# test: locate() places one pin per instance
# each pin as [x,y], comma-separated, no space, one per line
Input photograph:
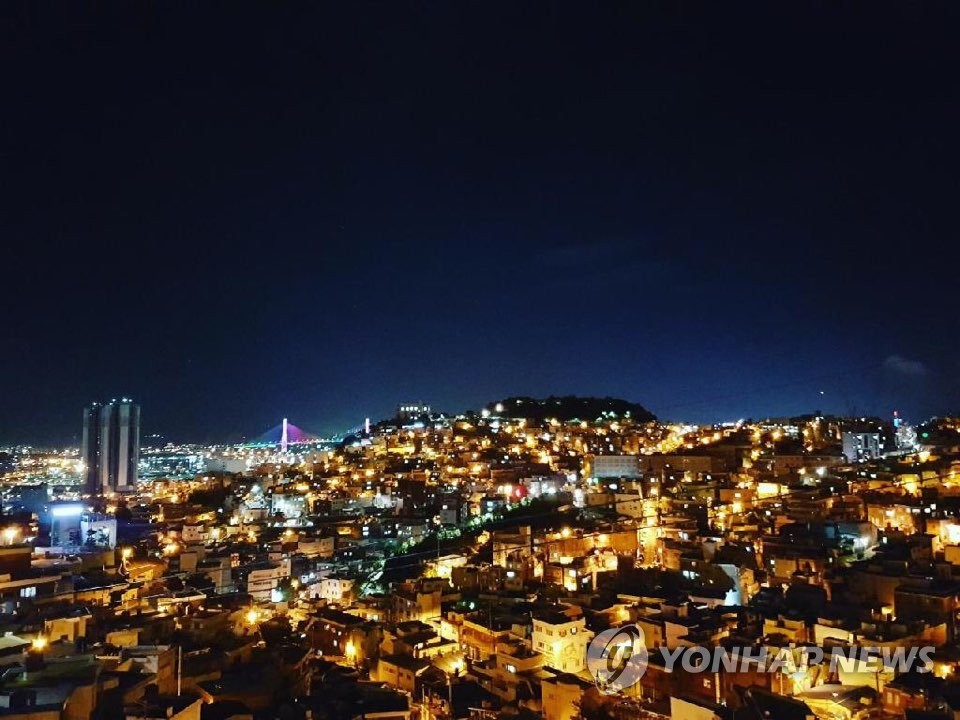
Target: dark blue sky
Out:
[239,212]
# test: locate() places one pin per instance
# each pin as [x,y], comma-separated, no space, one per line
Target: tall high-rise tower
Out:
[111,446]
[90,449]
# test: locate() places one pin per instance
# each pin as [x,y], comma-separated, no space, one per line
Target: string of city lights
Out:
[760,504]
[432,553]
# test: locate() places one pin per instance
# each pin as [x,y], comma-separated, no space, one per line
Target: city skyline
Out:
[267,436]
[676,412]
[479,361]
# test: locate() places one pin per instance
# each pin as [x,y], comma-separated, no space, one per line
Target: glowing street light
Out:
[39,643]
[10,534]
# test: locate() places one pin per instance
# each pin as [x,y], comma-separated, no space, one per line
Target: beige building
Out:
[562,640]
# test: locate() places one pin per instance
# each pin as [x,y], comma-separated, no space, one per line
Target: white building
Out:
[292,505]
[612,466]
[262,580]
[335,589]
[561,640]
[862,446]
[193,534]
[544,485]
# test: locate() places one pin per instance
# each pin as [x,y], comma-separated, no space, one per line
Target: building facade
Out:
[862,446]
[111,446]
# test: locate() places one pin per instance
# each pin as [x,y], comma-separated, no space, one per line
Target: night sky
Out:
[240,212]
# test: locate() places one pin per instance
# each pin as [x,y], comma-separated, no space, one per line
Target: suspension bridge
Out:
[285,434]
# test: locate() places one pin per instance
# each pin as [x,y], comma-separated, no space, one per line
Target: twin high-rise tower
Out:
[111,446]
